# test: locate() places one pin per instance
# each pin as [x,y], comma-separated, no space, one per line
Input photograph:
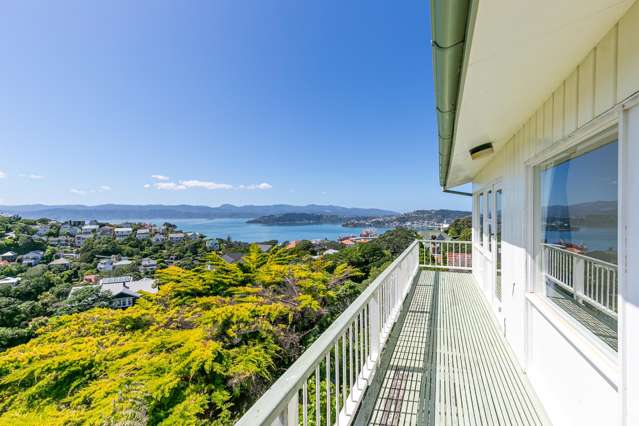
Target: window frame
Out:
[584,139]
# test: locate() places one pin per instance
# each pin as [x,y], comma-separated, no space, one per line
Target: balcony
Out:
[418,346]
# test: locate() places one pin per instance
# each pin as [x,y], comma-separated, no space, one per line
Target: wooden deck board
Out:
[446,363]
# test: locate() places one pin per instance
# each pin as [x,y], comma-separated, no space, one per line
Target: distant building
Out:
[9,256]
[61,264]
[10,280]
[91,278]
[122,233]
[105,265]
[330,251]
[124,290]
[32,258]
[89,229]
[212,244]
[233,257]
[80,239]
[158,238]
[148,265]
[122,263]
[142,234]
[106,231]
[265,247]
[176,237]
[58,241]
[293,244]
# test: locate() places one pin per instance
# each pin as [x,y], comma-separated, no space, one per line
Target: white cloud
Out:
[105,188]
[2,174]
[78,191]
[260,186]
[32,176]
[169,186]
[160,177]
[204,184]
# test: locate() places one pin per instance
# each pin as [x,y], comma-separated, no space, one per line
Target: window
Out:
[481,219]
[577,207]
[489,220]
[498,216]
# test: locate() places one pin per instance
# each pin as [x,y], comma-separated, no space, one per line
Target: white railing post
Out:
[289,416]
[578,277]
[374,327]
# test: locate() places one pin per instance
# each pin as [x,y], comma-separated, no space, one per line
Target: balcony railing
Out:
[328,381]
[589,280]
[451,255]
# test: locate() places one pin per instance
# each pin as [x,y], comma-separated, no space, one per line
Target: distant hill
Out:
[184,211]
[298,219]
[415,219]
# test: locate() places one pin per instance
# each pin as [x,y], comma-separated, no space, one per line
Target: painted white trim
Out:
[597,353]
[597,132]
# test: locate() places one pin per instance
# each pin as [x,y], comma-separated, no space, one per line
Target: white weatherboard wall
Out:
[573,388]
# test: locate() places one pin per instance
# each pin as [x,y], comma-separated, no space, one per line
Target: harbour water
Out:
[239,230]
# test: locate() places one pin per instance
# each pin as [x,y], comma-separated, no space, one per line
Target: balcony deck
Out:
[446,363]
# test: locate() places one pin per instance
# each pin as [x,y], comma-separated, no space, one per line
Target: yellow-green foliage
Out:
[199,351]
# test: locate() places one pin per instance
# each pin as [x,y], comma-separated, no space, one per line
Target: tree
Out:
[84,299]
[461,228]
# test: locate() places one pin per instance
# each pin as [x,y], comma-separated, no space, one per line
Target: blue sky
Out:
[226,101]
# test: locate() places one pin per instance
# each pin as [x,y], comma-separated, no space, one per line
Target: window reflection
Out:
[578,197]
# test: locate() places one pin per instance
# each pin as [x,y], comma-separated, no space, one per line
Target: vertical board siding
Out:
[606,72]
[570,103]
[627,57]
[607,75]
[586,89]
[558,114]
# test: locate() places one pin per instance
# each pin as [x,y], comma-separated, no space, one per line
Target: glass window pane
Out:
[481,219]
[578,198]
[498,215]
[489,220]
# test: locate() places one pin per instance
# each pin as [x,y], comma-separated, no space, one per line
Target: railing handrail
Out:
[583,256]
[459,247]
[267,408]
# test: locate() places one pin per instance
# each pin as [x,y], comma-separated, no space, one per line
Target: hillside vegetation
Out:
[200,351]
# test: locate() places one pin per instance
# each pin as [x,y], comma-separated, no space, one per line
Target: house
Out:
[9,256]
[123,263]
[10,280]
[348,242]
[537,106]
[123,233]
[293,244]
[89,229]
[142,234]
[157,239]
[105,231]
[58,241]
[74,223]
[538,111]
[124,290]
[32,258]
[60,264]
[233,257]
[42,230]
[10,234]
[105,265]
[148,265]
[176,237]
[68,229]
[212,244]
[80,239]
[328,252]
[91,278]
[265,247]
